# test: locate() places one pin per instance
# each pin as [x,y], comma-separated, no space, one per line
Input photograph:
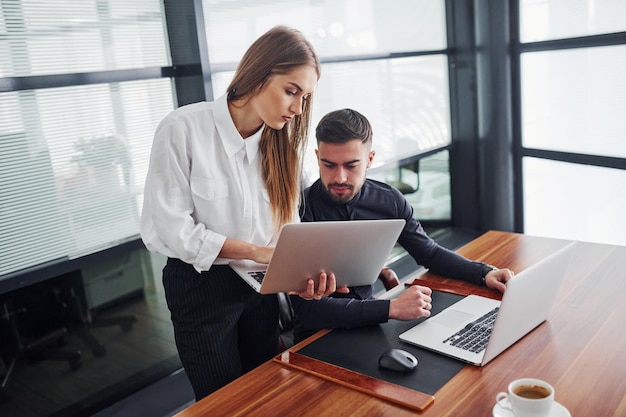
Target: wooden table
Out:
[581,349]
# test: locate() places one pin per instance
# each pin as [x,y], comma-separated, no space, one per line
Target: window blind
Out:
[73,159]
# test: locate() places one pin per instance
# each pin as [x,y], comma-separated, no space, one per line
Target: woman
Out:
[223,178]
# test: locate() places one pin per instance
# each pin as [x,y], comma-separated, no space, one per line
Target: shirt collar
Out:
[232,140]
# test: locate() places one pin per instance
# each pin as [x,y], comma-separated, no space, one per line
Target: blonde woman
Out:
[223,177]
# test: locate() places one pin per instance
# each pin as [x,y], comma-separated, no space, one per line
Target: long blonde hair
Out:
[279,51]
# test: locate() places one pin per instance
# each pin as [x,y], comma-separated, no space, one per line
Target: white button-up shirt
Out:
[204,184]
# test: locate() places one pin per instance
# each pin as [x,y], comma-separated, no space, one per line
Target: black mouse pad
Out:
[359,349]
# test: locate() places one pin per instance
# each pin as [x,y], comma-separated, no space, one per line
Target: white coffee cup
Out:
[527,397]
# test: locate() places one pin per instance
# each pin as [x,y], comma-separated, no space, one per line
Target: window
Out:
[572,135]
[542,20]
[82,89]
[385,59]
[73,158]
[426,185]
[573,100]
[579,202]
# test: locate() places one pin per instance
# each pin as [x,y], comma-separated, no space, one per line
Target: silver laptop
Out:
[477,329]
[355,251]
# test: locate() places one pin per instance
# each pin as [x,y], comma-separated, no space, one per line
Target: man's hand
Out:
[413,303]
[498,278]
[326,286]
[389,278]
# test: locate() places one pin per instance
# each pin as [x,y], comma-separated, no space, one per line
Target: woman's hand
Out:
[238,249]
[262,254]
[326,286]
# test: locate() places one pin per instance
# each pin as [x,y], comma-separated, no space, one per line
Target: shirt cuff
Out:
[487,269]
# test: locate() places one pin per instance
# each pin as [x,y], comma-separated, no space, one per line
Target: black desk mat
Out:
[358,350]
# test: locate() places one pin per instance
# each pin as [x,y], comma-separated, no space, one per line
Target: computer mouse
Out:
[397,360]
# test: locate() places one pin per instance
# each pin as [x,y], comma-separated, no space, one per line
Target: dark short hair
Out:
[341,126]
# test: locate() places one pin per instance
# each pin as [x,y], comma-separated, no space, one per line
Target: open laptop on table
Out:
[355,251]
[477,329]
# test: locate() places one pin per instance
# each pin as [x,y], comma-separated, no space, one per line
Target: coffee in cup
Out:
[527,397]
[532,391]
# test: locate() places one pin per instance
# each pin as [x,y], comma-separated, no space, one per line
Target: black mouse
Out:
[398,360]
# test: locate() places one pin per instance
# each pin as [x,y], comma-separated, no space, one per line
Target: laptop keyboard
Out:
[257,275]
[475,335]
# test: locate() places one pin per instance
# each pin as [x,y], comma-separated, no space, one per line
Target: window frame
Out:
[519,151]
[182,70]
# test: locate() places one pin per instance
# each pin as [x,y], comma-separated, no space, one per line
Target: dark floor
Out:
[164,398]
[134,358]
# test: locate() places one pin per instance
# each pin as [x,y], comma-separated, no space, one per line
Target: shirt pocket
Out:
[210,196]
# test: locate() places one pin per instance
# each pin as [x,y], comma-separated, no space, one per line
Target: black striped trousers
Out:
[222,327]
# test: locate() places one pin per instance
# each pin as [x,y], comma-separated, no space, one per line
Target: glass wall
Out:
[74,158]
[385,59]
[571,201]
[573,93]
[82,89]
[542,20]
[81,94]
[425,183]
[572,100]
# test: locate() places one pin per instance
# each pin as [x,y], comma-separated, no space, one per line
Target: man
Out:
[344,153]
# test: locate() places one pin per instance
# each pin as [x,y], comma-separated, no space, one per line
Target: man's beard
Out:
[339,199]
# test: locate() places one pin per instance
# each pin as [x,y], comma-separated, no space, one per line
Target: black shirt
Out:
[375,200]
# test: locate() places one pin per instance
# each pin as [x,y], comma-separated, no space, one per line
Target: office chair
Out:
[403,186]
[90,321]
[286,320]
[81,320]
[43,347]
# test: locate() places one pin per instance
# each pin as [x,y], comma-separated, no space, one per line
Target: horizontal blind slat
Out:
[73,159]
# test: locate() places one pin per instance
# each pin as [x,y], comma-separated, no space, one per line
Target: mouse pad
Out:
[358,350]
